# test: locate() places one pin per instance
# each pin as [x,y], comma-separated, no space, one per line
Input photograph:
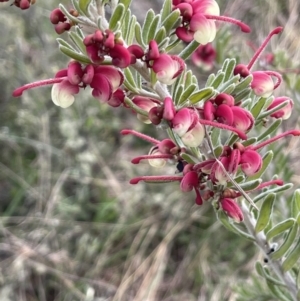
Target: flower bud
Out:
[232,209]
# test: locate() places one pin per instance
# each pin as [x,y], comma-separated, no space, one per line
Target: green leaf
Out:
[286,244]
[257,108]
[242,95]
[146,25]
[129,77]
[275,190]
[186,94]
[160,36]
[210,79]
[153,28]
[250,185]
[129,36]
[166,9]
[84,5]
[117,17]
[280,228]
[292,257]
[126,3]
[178,94]
[138,35]
[215,136]
[202,94]
[272,128]
[188,79]
[295,203]
[277,292]
[228,89]
[136,108]
[265,213]
[218,80]
[267,159]
[273,110]
[188,51]
[224,220]
[172,21]
[62,42]
[77,41]
[243,84]
[262,271]
[250,141]
[229,69]
[189,158]
[74,55]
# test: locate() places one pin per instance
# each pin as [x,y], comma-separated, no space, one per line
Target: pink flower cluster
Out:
[22,4]
[198,20]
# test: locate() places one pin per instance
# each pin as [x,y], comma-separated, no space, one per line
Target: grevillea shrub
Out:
[215,134]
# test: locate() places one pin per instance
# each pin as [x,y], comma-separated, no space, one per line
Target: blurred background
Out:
[71,225]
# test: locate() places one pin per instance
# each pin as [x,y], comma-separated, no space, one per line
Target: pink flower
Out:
[195,136]
[189,181]
[284,112]
[62,94]
[167,68]
[204,56]
[204,30]
[183,121]
[232,209]
[250,162]
[262,84]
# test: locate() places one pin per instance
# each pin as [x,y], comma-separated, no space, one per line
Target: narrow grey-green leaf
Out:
[188,51]
[218,80]
[273,190]
[242,95]
[146,25]
[224,220]
[74,55]
[243,84]
[273,110]
[257,108]
[160,35]
[210,79]
[263,273]
[295,203]
[172,21]
[249,141]
[292,257]
[272,128]
[215,136]
[188,79]
[129,77]
[166,9]
[250,185]
[126,3]
[229,69]
[138,35]
[84,5]
[286,244]
[63,43]
[136,108]
[265,213]
[130,33]
[153,28]
[117,15]
[267,159]
[77,41]
[227,89]
[280,228]
[178,94]
[186,94]
[229,82]
[189,159]
[277,292]
[225,64]
[202,94]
